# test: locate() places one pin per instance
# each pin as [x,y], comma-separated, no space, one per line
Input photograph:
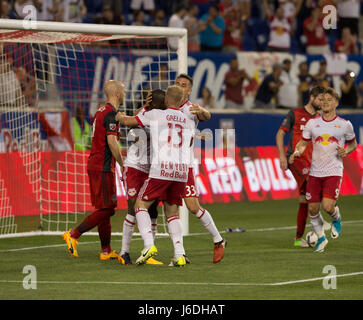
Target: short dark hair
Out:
[316,90]
[158,100]
[185,76]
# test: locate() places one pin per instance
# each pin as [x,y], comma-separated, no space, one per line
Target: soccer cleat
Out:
[186,259]
[151,260]
[146,254]
[218,251]
[71,243]
[180,262]
[320,245]
[108,256]
[327,226]
[301,243]
[336,228]
[124,259]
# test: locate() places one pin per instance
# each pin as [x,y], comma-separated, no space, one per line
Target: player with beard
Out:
[294,124]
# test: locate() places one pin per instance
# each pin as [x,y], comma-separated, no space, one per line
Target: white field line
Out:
[190,235]
[229,284]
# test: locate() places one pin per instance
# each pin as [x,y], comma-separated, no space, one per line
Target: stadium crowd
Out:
[294,26]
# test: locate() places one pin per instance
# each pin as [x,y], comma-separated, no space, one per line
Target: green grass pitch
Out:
[260,263]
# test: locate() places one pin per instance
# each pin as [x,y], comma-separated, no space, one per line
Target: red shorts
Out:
[103,189]
[164,190]
[300,170]
[191,190]
[133,180]
[323,187]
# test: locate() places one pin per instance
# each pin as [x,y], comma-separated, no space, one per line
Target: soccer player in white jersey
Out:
[329,134]
[196,113]
[135,172]
[170,153]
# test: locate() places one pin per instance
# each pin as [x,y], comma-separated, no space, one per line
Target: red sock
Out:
[91,221]
[302,216]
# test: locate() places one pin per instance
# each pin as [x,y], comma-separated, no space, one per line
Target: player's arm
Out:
[202,113]
[299,150]
[280,146]
[128,121]
[351,146]
[115,148]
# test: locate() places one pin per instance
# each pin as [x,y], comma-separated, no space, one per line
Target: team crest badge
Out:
[131,192]
[112,126]
[305,171]
[308,196]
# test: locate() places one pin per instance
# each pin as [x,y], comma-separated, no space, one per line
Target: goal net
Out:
[51,84]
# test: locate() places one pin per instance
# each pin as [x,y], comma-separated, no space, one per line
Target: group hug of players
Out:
[158,167]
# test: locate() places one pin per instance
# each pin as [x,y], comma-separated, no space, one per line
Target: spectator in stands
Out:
[147,5]
[348,13]
[322,78]
[306,82]
[71,11]
[19,8]
[176,21]
[139,18]
[159,20]
[291,7]
[315,33]
[211,38]
[161,80]
[224,6]
[347,44]
[27,85]
[280,29]
[109,17]
[233,80]
[269,89]
[232,39]
[194,27]
[349,97]
[288,92]
[5,10]
[206,100]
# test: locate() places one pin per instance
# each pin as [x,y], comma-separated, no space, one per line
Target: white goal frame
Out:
[115,32]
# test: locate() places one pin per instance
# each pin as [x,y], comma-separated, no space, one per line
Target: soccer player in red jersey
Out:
[294,124]
[105,151]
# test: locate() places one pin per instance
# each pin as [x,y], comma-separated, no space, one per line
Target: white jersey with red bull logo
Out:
[192,123]
[326,137]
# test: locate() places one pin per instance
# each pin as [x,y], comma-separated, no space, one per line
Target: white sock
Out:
[176,235]
[154,226]
[127,232]
[318,224]
[208,223]
[336,215]
[144,225]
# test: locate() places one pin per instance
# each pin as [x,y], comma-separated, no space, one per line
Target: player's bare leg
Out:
[206,219]
[330,207]
[176,234]
[318,225]
[144,225]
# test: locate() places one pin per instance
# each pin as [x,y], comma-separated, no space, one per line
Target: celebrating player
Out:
[105,151]
[194,113]
[328,133]
[294,123]
[136,171]
[170,153]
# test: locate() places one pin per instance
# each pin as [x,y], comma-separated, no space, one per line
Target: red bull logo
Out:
[326,139]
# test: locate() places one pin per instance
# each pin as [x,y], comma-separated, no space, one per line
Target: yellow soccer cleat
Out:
[146,254]
[151,260]
[71,243]
[180,262]
[108,256]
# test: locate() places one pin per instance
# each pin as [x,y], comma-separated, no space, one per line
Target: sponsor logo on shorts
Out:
[131,192]
[308,196]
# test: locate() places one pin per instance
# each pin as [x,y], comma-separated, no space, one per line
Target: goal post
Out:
[52,78]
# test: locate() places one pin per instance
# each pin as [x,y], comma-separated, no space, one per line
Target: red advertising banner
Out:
[253,174]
